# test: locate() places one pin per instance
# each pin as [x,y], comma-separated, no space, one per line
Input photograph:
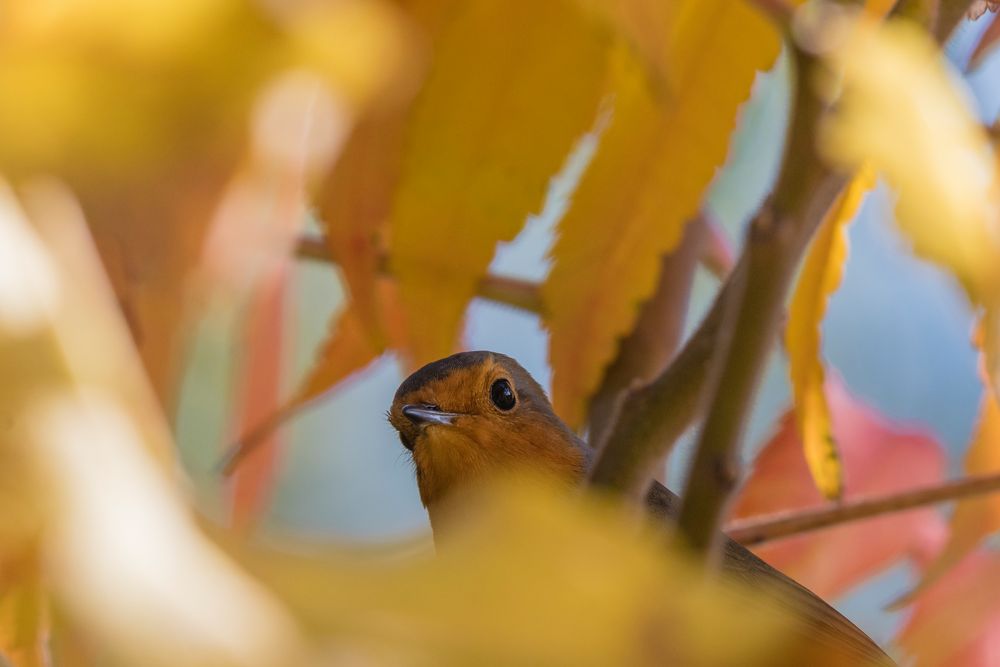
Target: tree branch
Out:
[514,292]
[760,529]
[646,351]
[775,241]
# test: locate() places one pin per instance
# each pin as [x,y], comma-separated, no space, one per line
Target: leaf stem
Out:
[759,529]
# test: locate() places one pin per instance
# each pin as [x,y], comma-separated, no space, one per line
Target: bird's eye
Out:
[502,395]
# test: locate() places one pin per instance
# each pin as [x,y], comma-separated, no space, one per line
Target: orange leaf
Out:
[821,275]
[976,518]
[355,204]
[502,105]
[956,622]
[647,179]
[879,458]
[262,369]
[24,619]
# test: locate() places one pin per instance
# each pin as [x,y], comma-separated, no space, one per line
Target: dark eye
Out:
[502,395]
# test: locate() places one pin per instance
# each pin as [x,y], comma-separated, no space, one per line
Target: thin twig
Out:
[775,241]
[514,292]
[759,529]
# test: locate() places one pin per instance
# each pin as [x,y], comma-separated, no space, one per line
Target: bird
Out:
[476,414]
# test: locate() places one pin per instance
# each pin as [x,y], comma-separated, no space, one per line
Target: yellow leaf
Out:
[183,76]
[557,582]
[23,612]
[820,277]
[900,111]
[648,177]
[511,87]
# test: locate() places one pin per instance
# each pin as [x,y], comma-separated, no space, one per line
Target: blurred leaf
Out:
[123,559]
[975,518]
[879,458]
[23,612]
[262,369]
[648,177]
[355,203]
[820,277]
[956,622]
[503,103]
[900,111]
[556,581]
[149,167]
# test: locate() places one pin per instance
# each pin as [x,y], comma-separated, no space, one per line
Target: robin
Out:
[473,415]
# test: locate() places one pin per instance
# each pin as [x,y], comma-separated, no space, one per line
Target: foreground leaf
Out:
[502,105]
[879,458]
[648,177]
[149,167]
[820,277]
[23,612]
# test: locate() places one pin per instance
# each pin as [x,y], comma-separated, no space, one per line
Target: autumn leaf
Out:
[871,449]
[975,518]
[899,111]
[820,277]
[124,559]
[648,177]
[149,168]
[355,203]
[956,622]
[501,107]
[23,611]
[263,361]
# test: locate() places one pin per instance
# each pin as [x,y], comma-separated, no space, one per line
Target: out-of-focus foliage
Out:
[552,603]
[143,108]
[976,518]
[899,111]
[82,484]
[189,139]
[956,623]
[872,450]
[821,275]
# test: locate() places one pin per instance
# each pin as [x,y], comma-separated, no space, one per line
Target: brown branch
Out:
[651,418]
[514,292]
[760,529]
[646,351]
[775,241]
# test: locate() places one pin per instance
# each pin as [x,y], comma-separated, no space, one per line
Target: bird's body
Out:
[476,414]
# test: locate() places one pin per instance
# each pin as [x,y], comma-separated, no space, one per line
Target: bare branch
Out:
[775,241]
[760,529]
[646,351]
[514,292]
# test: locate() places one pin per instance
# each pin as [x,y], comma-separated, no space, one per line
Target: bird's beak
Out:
[420,415]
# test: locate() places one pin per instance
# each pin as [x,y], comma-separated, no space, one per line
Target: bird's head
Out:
[478,414]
